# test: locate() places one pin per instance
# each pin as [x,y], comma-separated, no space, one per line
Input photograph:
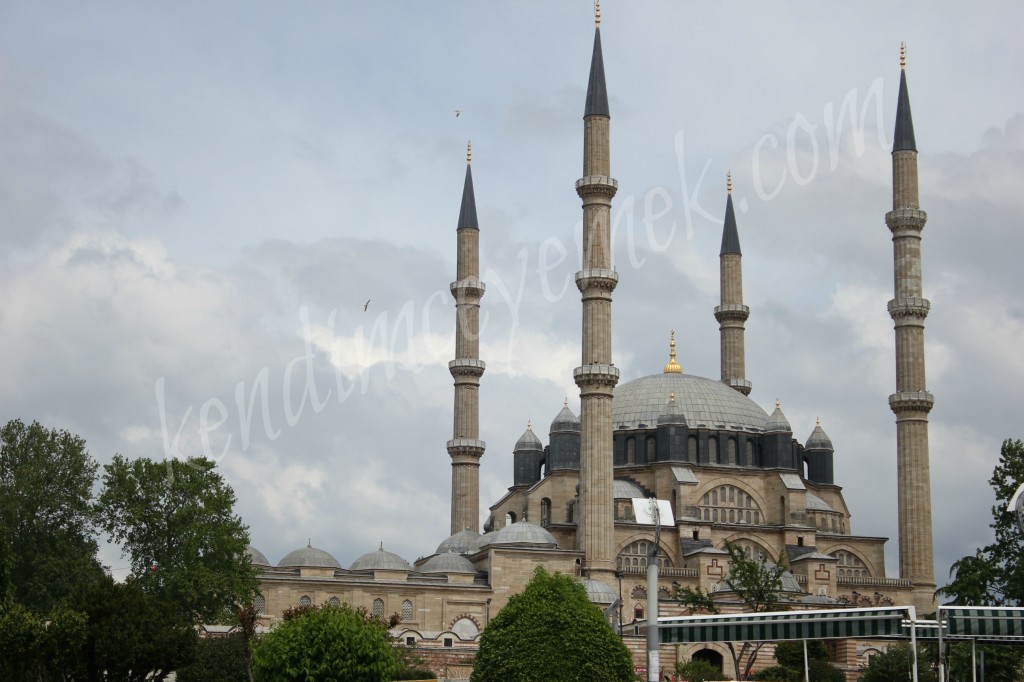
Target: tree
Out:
[756,583]
[696,670]
[175,522]
[326,643]
[790,656]
[218,659]
[551,632]
[47,529]
[895,663]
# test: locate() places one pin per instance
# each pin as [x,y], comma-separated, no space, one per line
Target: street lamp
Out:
[618,574]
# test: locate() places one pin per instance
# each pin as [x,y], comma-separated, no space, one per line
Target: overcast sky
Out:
[196,202]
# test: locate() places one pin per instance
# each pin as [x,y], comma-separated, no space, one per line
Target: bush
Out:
[218,659]
[696,670]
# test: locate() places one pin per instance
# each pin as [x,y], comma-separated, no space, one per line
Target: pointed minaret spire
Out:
[903,138]
[597,374]
[465,447]
[912,402]
[732,314]
[597,92]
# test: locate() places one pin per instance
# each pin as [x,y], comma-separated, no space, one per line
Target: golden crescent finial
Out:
[777,404]
[903,55]
[728,182]
[817,421]
[565,403]
[597,13]
[672,367]
[529,425]
[469,152]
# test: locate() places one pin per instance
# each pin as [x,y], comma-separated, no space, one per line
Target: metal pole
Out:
[807,669]
[653,649]
[974,660]
[913,642]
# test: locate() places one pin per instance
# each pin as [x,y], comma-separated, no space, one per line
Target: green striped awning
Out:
[760,627]
[983,622]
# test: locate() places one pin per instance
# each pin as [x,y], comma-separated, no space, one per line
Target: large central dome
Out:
[706,403]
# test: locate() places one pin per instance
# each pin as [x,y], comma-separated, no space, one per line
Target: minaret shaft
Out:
[912,402]
[732,313]
[466,448]
[596,376]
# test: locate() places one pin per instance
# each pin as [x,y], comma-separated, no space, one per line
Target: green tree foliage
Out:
[895,663]
[550,632]
[790,656]
[1001,663]
[326,643]
[696,670]
[47,543]
[219,659]
[175,522]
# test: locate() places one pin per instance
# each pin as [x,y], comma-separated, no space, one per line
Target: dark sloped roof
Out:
[597,92]
[467,214]
[730,235]
[903,138]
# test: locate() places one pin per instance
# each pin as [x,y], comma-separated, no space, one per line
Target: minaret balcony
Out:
[467,366]
[903,220]
[911,401]
[468,288]
[741,385]
[909,306]
[602,278]
[600,375]
[732,311]
[597,184]
[472,448]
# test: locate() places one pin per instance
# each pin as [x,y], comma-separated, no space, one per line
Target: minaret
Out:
[732,314]
[596,376]
[465,447]
[912,402]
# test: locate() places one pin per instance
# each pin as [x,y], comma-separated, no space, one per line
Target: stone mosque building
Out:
[730,469]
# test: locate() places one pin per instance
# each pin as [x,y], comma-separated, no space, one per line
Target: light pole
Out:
[618,574]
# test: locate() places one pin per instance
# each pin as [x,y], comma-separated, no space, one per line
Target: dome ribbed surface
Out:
[777,423]
[705,403]
[528,441]
[449,562]
[460,543]
[598,592]
[671,414]
[309,556]
[818,440]
[257,557]
[521,533]
[380,559]
[626,490]
[565,421]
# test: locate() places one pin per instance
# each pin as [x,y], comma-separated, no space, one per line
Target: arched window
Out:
[750,452]
[334,601]
[545,512]
[510,518]
[652,449]
[260,603]
[732,451]
[305,601]
[691,449]
[638,611]
[639,592]
[406,611]
[713,451]
[631,450]
[728,504]
[636,555]
[378,608]
[850,564]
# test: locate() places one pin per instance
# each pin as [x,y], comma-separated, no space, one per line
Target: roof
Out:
[467,213]
[460,543]
[380,559]
[704,403]
[449,562]
[521,533]
[597,91]
[565,420]
[903,138]
[309,556]
[598,592]
[818,440]
[815,503]
[777,423]
[672,415]
[257,557]
[626,490]
[775,626]
[528,441]
[730,235]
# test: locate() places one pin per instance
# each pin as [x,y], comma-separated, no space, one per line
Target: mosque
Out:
[729,469]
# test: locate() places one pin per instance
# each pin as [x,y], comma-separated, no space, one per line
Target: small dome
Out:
[257,557]
[818,440]
[626,490]
[528,441]
[815,503]
[566,420]
[521,533]
[449,562]
[380,560]
[777,422]
[672,414]
[309,556]
[598,592]
[460,543]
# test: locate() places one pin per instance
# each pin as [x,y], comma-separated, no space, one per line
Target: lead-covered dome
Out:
[382,560]
[460,543]
[256,557]
[705,403]
[598,592]
[309,556]
[818,440]
[449,562]
[566,420]
[521,533]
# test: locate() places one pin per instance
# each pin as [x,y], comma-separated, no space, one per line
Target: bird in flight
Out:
[458,112]
[366,305]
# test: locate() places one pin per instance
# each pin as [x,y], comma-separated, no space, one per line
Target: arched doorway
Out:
[710,656]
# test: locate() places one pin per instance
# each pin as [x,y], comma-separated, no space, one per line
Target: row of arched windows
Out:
[635,555]
[728,504]
[377,609]
[724,452]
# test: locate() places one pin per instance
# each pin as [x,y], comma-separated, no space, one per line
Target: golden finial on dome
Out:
[672,367]
[529,425]
[817,421]
[565,403]
[597,13]
[728,182]
[672,397]
[903,55]
[469,151]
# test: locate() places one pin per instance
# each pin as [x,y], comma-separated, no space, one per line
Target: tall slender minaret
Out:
[912,402]
[732,314]
[596,376]
[465,447]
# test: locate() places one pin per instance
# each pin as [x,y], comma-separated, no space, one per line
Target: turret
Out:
[673,433]
[527,457]
[818,455]
[777,443]
[732,314]
[564,441]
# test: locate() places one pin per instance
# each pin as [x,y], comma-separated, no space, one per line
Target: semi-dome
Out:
[449,562]
[598,592]
[626,490]
[777,423]
[815,503]
[704,403]
[521,533]
[460,543]
[818,440]
[381,559]
[256,557]
[309,556]
[566,420]
[528,441]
